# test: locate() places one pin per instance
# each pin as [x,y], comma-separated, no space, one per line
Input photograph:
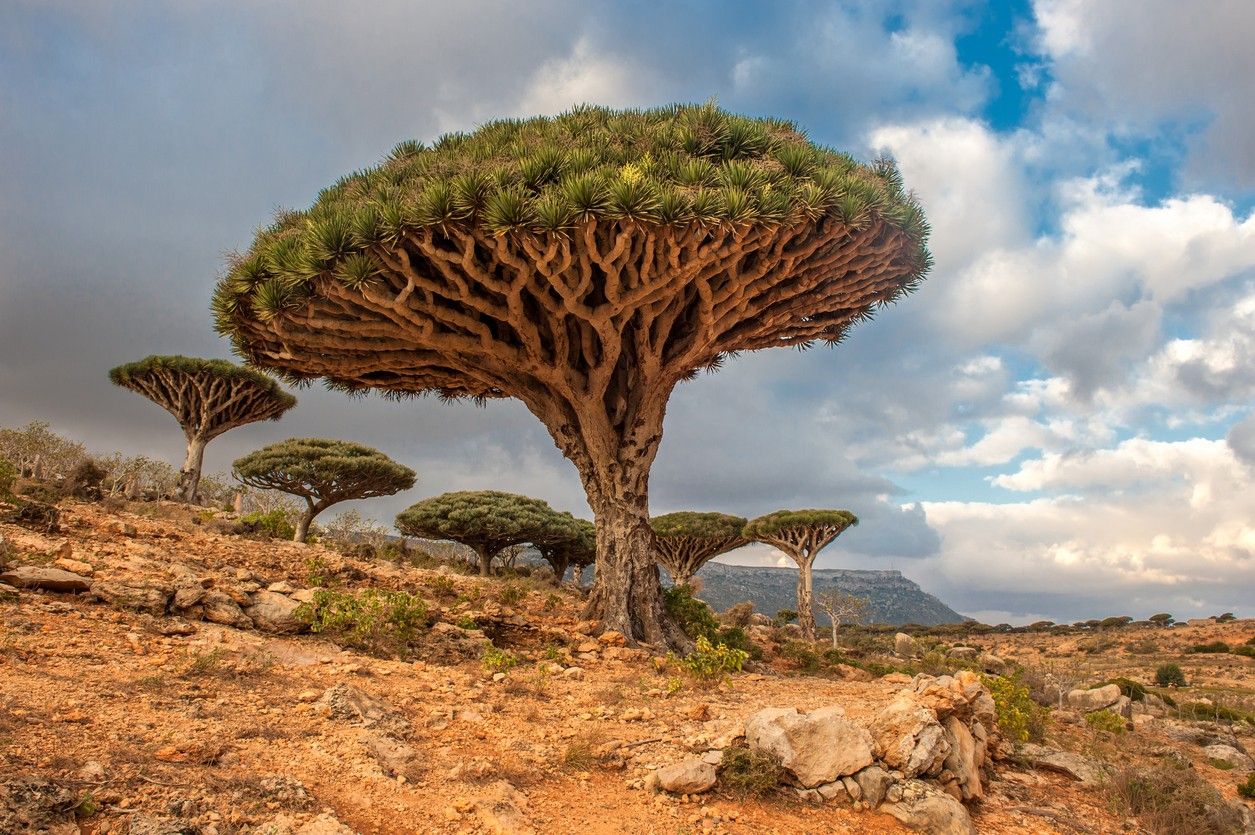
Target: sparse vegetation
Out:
[498,660]
[378,621]
[8,475]
[745,772]
[1019,717]
[1105,720]
[709,660]
[511,594]
[1171,799]
[1247,789]
[272,524]
[1170,675]
[1213,647]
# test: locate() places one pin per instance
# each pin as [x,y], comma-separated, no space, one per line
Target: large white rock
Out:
[273,612]
[816,747]
[925,809]
[1231,755]
[908,737]
[1096,698]
[692,776]
[905,646]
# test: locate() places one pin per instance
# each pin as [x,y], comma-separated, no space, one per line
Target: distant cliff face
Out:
[894,599]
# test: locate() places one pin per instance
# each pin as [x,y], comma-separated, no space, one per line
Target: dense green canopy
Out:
[132,373]
[687,540]
[323,472]
[564,550]
[487,521]
[678,166]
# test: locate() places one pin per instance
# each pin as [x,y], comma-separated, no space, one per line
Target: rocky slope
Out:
[894,599]
[177,694]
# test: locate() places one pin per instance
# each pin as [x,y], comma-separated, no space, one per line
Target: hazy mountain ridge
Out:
[894,598]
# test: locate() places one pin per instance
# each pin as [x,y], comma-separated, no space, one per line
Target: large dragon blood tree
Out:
[584,264]
[207,397]
[685,541]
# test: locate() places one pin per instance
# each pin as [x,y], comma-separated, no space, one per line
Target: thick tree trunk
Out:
[485,562]
[302,524]
[805,599]
[189,476]
[559,567]
[627,590]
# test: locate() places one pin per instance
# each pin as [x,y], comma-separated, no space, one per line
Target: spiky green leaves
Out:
[676,165]
[324,471]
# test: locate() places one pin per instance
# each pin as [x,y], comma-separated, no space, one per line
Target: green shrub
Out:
[498,660]
[273,524]
[1019,718]
[467,622]
[710,660]
[1223,765]
[737,638]
[375,620]
[317,573]
[693,615]
[1214,713]
[1136,691]
[1170,798]
[441,586]
[1246,650]
[1247,789]
[511,594]
[1169,675]
[1105,720]
[745,772]
[8,475]
[1213,647]
[802,654]
[552,601]
[784,616]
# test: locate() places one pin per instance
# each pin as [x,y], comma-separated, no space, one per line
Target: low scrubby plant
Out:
[378,621]
[693,615]
[8,476]
[273,524]
[1136,691]
[1171,799]
[1019,717]
[1219,647]
[1211,712]
[511,594]
[746,772]
[1247,789]
[713,660]
[1169,675]
[441,586]
[1105,720]
[498,660]
[1245,650]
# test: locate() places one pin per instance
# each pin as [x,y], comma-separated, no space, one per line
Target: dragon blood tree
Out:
[323,473]
[486,521]
[584,264]
[801,534]
[207,397]
[566,551]
[685,541]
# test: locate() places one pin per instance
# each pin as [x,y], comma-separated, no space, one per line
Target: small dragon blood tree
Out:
[207,397]
[801,534]
[685,541]
[584,264]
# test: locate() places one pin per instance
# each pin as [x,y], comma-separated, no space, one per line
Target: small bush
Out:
[1145,646]
[375,620]
[1203,712]
[784,616]
[272,524]
[803,655]
[441,586]
[84,480]
[745,772]
[552,601]
[738,615]
[1247,789]
[467,622]
[8,475]
[511,594]
[710,661]
[1170,799]
[318,574]
[1019,718]
[1246,650]
[1169,675]
[1105,720]
[1128,687]
[692,615]
[498,660]
[1213,647]
[1223,765]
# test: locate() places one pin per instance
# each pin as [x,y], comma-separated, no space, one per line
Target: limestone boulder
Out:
[873,783]
[142,598]
[905,646]
[1231,755]
[274,612]
[814,748]
[48,579]
[691,776]
[924,808]
[964,760]
[1082,769]
[908,737]
[1097,698]
[219,607]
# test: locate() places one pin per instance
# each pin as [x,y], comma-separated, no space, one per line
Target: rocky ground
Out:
[163,688]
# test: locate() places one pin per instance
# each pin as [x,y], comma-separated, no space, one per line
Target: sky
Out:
[1059,425]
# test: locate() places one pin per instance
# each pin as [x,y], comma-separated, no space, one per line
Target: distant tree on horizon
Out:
[687,540]
[565,551]
[801,535]
[207,397]
[487,521]
[323,473]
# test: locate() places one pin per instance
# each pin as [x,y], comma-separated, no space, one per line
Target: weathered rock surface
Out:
[1231,755]
[873,783]
[1096,698]
[73,566]
[816,747]
[151,599]
[905,646]
[909,738]
[49,579]
[273,612]
[964,760]
[925,809]
[1081,769]
[29,804]
[344,701]
[218,607]
[502,809]
[692,776]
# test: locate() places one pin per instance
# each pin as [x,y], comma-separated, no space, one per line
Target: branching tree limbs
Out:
[586,265]
[801,535]
[487,521]
[685,541]
[323,473]
[841,607]
[207,397]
